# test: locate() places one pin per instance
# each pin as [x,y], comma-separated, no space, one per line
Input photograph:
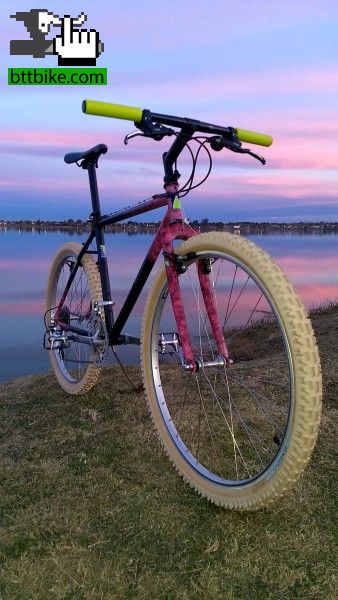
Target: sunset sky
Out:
[265,65]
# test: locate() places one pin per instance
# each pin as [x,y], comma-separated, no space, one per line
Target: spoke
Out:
[217,398]
[256,396]
[253,310]
[184,402]
[199,418]
[228,420]
[221,401]
[245,329]
[226,318]
[207,420]
[251,432]
[232,424]
[87,362]
[229,297]
[77,355]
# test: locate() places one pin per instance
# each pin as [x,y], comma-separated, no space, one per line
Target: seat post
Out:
[89,160]
[94,192]
[100,244]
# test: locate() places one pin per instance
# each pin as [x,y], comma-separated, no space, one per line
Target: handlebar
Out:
[136,114]
[253,137]
[116,111]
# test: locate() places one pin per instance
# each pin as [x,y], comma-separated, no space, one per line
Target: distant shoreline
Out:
[132,227]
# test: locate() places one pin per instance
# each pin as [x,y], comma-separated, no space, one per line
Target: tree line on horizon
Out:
[203,225]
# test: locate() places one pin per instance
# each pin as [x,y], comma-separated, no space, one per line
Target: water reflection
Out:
[309,261]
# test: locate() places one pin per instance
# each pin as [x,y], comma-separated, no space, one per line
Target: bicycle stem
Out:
[170,157]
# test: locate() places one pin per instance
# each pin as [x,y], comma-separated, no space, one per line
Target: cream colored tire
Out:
[272,400]
[73,367]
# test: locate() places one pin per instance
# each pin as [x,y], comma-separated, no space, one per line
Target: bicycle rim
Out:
[227,427]
[73,361]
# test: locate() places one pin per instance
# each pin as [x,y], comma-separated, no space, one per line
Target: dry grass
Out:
[91,509]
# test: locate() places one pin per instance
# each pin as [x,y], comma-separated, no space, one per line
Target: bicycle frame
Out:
[173,227]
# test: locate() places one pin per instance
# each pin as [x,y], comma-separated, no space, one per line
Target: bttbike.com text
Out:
[62,76]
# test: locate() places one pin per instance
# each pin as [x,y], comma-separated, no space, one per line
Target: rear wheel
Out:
[240,434]
[74,363]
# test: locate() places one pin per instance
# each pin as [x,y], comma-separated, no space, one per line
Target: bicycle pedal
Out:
[168,340]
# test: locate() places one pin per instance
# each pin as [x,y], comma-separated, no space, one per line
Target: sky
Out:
[264,65]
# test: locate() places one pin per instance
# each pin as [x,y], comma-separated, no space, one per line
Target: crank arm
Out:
[82,339]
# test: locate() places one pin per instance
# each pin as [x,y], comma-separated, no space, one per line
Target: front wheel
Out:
[74,363]
[239,433]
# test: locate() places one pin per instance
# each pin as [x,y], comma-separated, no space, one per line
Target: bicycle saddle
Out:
[91,155]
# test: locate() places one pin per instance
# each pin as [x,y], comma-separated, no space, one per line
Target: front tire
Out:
[242,434]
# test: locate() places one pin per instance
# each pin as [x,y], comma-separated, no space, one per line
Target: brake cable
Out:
[217,143]
[188,186]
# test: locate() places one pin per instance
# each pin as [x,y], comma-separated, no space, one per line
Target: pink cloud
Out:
[70,139]
[272,182]
[299,124]
[301,162]
[292,131]
[45,184]
[213,91]
[302,268]
[249,20]
[8,264]
[33,307]
[298,153]
[314,295]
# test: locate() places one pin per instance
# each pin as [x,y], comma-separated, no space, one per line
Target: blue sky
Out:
[264,65]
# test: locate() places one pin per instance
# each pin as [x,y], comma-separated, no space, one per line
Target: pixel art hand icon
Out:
[75,47]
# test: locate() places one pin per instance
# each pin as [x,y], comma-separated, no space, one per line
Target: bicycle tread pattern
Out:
[92,372]
[308,384]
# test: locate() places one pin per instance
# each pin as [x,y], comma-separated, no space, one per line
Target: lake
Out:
[310,262]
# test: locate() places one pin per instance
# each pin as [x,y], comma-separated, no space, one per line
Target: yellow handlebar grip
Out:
[117,111]
[252,137]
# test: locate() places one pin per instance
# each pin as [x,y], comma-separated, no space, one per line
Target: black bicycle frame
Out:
[99,222]
[172,218]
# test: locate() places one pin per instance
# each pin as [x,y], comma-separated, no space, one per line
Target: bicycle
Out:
[230,365]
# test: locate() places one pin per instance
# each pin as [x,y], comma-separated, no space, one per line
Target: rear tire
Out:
[73,365]
[240,435]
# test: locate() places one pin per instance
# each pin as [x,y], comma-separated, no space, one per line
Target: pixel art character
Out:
[73,47]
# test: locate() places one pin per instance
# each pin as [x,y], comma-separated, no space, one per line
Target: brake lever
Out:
[261,159]
[132,135]
[218,142]
[157,134]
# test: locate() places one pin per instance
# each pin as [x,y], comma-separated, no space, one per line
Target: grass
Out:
[90,508]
